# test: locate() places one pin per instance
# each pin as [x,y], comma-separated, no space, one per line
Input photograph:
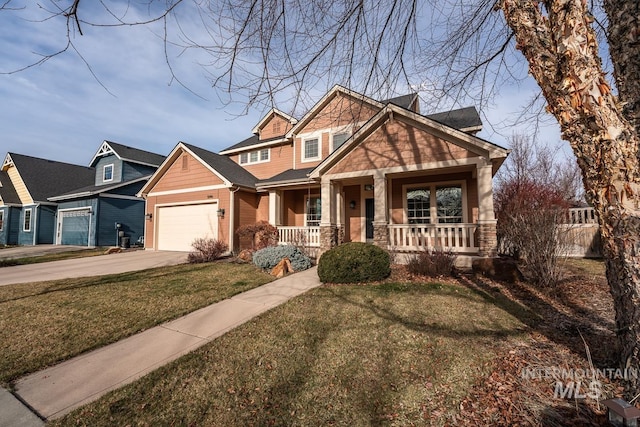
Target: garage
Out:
[74,226]
[178,226]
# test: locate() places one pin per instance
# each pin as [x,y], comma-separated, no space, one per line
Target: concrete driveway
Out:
[90,266]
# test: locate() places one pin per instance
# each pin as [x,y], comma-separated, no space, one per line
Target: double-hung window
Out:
[449,204]
[107,173]
[26,226]
[311,147]
[419,205]
[337,139]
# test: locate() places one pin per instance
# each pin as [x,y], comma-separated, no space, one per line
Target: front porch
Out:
[449,208]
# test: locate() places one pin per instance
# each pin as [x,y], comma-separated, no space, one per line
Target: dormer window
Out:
[251,157]
[107,173]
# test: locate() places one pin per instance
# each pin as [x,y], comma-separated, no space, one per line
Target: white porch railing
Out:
[299,236]
[458,238]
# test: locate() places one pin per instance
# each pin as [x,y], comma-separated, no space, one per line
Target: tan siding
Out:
[21,188]
[268,130]
[221,195]
[293,207]
[262,211]
[341,111]
[353,221]
[247,205]
[399,144]
[280,160]
[177,178]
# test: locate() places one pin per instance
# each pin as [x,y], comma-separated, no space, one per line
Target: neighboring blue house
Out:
[101,213]
[28,217]
[10,207]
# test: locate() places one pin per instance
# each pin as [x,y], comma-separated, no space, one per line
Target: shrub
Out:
[269,257]
[354,262]
[207,250]
[261,234]
[432,263]
[529,216]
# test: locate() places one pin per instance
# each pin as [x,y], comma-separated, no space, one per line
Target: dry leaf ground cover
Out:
[381,354]
[44,323]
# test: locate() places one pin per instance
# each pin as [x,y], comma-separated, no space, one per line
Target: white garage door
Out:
[179,226]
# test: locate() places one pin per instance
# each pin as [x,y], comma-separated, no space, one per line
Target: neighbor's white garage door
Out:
[178,226]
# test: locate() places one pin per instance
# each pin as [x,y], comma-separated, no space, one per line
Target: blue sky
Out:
[58,110]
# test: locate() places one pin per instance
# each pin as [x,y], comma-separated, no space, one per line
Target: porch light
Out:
[148,216]
[622,413]
[352,204]
[368,187]
[221,213]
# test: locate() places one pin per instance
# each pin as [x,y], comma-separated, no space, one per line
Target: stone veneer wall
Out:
[487,239]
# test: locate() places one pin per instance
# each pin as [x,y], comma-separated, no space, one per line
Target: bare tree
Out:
[456,50]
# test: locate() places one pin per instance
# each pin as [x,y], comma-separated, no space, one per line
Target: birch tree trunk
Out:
[558,41]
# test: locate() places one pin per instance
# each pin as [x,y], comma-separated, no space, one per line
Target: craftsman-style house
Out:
[351,169]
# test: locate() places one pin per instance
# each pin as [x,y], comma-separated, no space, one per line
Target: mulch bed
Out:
[570,327]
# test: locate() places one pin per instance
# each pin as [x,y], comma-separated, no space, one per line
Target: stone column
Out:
[487,236]
[380,229]
[328,229]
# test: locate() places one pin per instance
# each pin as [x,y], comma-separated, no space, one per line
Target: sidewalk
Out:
[56,391]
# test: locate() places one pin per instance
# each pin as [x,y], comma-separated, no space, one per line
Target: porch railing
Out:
[299,236]
[459,238]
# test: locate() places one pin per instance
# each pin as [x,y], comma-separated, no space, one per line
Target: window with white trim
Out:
[337,139]
[435,204]
[1,220]
[311,149]
[313,211]
[26,226]
[419,205]
[257,156]
[107,173]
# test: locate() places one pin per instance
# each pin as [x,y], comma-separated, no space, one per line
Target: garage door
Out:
[179,226]
[74,227]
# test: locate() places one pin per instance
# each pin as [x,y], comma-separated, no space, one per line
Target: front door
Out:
[369,212]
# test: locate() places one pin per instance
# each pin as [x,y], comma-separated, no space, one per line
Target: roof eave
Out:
[254,146]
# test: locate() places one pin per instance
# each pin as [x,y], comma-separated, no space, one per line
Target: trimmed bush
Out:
[206,250]
[432,263]
[354,262]
[269,257]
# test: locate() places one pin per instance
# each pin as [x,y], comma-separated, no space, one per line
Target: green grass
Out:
[82,253]
[44,323]
[393,354]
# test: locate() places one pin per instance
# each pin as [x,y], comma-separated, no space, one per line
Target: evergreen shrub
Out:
[354,262]
[269,257]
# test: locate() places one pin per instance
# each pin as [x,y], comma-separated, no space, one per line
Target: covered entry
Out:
[179,225]
[74,227]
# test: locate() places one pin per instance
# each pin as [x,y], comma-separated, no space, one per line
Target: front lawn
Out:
[388,354]
[44,323]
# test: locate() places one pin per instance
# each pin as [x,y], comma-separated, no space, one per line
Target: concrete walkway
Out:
[56,391]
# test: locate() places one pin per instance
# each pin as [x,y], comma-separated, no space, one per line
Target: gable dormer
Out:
[108,165]
[274,124]
[116,163]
